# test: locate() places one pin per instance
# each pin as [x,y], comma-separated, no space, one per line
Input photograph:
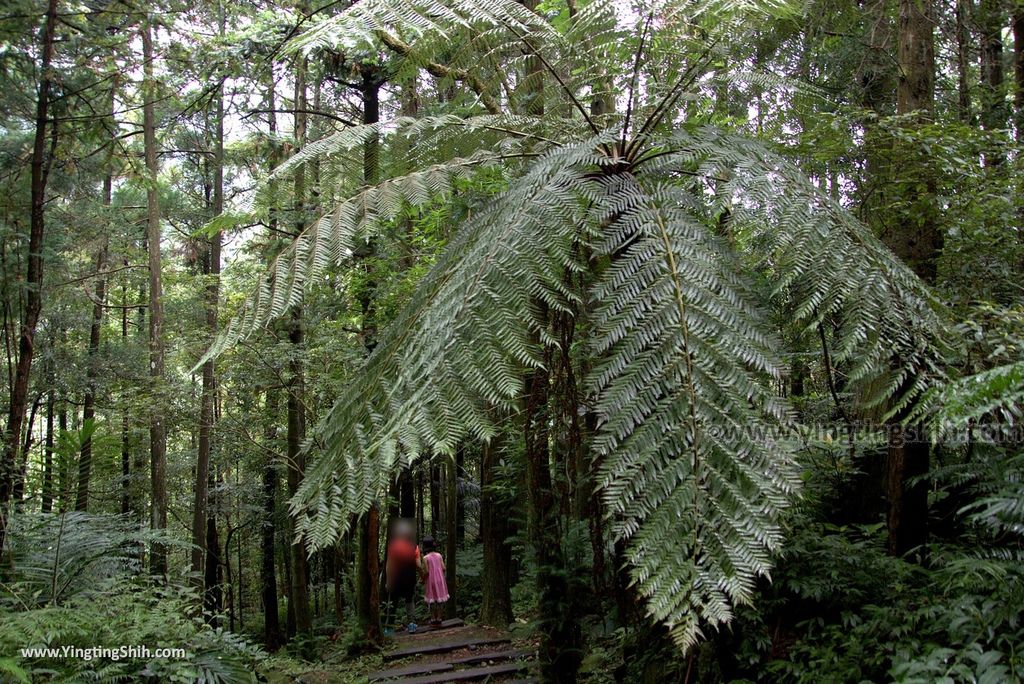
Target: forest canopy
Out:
[579,341]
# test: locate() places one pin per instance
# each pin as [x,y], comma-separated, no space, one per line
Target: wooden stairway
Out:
[456,657]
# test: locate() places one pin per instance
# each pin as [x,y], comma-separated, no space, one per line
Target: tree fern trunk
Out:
[559,638]
[496,606]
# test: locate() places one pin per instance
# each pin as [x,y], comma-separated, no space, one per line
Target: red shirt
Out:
[402,553]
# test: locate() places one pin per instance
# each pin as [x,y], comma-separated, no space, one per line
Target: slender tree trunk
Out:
[420,522]
[496,604]
[435,497]
[206,410]
[42,158]
[26,446]
[460,503]
[126,453]
[368,563]
[451,532]
[299,589]
[559,657]
[157,429]
[213,600]
[368,575]
[286,557]
[919,243]
[272,637]
[92,370]
[961,17]
[406,494]
[1018,72]
[95,334]
[991,19]
[63,467]
[268,535]
[559,651]
[338,565]
[47,505]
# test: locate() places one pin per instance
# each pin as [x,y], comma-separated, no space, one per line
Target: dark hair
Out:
[429,545]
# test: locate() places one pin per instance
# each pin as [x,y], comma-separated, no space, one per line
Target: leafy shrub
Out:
[74,583]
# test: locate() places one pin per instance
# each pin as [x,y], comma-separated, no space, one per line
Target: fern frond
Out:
[332,238]
[690,471]
[457,349]
[996,394]
[885,322]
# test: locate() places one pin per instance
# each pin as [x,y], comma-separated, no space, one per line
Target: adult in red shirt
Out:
[402,567]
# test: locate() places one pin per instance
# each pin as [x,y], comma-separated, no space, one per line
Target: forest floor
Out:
[456,652]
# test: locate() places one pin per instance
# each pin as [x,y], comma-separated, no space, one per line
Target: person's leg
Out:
[409,613]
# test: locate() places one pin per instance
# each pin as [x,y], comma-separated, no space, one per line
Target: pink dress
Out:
[436,586]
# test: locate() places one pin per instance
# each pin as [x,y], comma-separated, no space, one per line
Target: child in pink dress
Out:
[435,586]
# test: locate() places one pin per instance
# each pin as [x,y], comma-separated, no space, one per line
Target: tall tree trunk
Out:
[406,494]
[496,604]
[126,452]
[42,158]
[991,20]
[96,328]
[157,429]
[272,637]
[368,563]
[268,578]
[368,575]
[92,369]
[559,655]
[26,446]
[420,522]
[213,599]
[211,269]
[1018,71]
[299,589]
[63,467]
[919,243]
[559,651]
[963,86]
[47,504]
[460,503]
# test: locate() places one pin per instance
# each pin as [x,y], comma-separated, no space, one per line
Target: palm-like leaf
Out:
[692,471]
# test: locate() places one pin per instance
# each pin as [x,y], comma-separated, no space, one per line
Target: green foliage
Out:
[75,584]
[667,222]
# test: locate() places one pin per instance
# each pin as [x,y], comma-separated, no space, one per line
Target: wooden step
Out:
[443,647]
[423,629]
[467,675]
[409,670]
[520,654]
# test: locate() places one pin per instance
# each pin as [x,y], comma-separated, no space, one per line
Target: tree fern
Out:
[670,221]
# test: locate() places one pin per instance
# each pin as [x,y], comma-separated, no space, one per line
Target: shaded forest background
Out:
[257,303]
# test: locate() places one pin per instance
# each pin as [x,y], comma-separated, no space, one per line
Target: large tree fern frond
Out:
[885,323]
[690,469]
[457,349]
[331,240]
